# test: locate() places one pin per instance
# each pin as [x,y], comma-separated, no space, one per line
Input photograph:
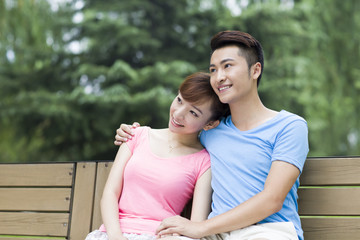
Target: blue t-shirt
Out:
[241,161]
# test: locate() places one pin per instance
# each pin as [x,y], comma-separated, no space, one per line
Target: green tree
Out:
[32,63]
[90,66]
[311,66]
[332,76]
[71,72]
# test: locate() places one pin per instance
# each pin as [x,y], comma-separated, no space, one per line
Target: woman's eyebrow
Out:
[198,109]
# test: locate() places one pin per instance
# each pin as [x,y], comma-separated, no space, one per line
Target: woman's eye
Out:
[194,113]
[179,100]
[227,65]
[212,70]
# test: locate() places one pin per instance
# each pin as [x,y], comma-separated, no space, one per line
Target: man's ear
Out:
[211,125]
[256,70]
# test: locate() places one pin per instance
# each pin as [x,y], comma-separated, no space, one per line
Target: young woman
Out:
[156,173]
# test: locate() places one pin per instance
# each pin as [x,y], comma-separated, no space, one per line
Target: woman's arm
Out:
[201,203]
[112,191]
[281,178]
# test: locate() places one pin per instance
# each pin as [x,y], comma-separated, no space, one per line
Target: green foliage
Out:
[332,76]
[281,34]
[71,72]
[60,104]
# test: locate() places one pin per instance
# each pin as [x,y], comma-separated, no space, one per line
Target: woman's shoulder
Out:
[156,133]
[199,156]
[140,134]
[141,130]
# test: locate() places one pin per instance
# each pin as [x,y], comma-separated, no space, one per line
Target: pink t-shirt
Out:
[156,188]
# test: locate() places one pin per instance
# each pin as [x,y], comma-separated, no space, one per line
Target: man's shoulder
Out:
[289,117]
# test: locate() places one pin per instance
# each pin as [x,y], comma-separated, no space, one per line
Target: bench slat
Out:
[60,174]
[331,171]
[331,228]
[35,199]
[28,223]
[83,200]
[28,238]
[329,201]
[103,171]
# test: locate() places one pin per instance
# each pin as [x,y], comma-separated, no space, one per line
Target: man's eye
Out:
[227,65]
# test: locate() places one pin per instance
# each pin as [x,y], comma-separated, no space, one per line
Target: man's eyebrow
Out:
[222,61]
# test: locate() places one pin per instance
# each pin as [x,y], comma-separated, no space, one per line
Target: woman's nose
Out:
[179,112]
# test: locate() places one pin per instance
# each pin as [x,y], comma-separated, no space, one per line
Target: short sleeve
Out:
[292,144]
[203,165]
[139,134]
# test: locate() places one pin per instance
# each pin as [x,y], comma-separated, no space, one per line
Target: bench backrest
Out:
[52,200]
[63,199]
[329,198]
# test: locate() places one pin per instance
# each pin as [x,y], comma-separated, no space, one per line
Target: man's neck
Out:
[248,115]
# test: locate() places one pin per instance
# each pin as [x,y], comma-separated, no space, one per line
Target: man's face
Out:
[230,76]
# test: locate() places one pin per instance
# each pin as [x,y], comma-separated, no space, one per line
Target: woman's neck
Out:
[167,144]
[183,140]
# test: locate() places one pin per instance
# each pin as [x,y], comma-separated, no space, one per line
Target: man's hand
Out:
[181,226]
[125,133]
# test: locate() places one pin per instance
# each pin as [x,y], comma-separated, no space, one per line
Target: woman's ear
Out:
[211,125]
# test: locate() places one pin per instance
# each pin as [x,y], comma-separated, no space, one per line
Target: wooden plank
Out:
[103,171]
[331,171]
[331,228]
[35,199]
[83,200]
[329,201]
[30,223]
[55,174]
[30,238]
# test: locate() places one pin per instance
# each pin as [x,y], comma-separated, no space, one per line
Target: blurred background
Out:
[72,71]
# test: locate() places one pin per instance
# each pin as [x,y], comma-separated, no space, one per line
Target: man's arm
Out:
[281,178]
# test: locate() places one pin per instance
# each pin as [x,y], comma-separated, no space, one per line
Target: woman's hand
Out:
[125,133]
[181,226]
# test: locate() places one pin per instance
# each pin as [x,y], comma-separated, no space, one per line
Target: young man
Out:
[257,154]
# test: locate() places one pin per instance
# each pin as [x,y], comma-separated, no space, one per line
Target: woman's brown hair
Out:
[197,89]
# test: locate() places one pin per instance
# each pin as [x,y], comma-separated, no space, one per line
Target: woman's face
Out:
[187,118]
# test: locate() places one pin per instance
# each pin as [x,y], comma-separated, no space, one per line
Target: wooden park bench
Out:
[62,200]
[51,200]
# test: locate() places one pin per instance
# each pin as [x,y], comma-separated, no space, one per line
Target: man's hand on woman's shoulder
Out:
[125,133]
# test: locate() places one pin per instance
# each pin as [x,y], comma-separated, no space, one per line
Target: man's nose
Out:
[220,76]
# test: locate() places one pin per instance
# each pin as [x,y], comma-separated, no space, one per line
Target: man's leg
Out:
[266,231]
